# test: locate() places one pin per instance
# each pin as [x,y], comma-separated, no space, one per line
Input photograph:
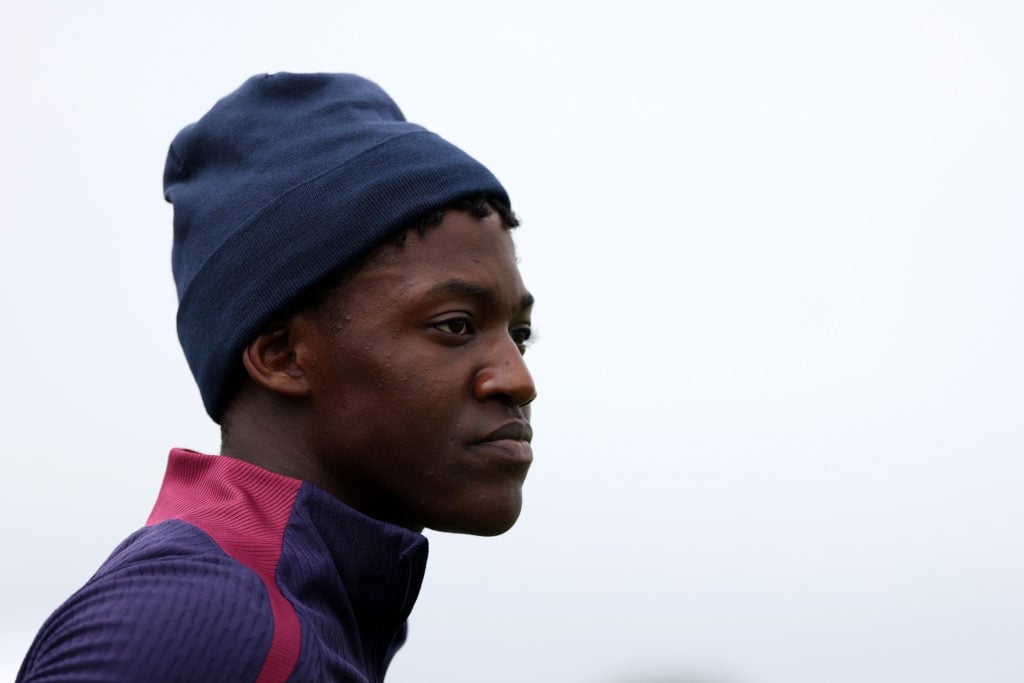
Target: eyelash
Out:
[520,335]
[468,328]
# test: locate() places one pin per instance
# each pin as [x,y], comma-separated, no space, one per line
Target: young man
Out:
[350,306]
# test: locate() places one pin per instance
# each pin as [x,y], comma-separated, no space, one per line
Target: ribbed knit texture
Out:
[284,181]
[241,575]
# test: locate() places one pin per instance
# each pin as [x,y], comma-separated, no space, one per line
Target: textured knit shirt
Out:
[240,574]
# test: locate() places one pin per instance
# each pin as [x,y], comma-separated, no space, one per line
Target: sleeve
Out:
[179,618]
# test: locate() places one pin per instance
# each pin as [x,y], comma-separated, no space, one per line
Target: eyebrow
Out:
[484,295]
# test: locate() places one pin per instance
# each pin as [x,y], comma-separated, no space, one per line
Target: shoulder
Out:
[167,605]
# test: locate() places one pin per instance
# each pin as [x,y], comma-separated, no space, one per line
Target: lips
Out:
[510,443]
[513,431]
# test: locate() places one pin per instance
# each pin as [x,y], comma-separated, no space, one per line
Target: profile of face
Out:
[417,387]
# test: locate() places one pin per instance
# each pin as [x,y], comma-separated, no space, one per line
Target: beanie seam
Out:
[177,158]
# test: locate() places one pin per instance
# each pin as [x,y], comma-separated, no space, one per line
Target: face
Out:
[418,389]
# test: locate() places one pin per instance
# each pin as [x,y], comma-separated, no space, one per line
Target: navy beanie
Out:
[286,180]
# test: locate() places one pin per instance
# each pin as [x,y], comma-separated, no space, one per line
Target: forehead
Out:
[462,255]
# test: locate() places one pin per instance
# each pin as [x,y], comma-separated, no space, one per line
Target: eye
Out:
[456,326]
[521,335]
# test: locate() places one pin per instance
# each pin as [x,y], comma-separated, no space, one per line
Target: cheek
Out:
[396,394]
[432,404]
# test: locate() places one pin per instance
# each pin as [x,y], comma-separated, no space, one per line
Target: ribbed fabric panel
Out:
[168,606]
[353,581]
[241,575]
[245,510]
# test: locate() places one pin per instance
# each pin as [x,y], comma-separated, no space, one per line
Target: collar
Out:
[313,547]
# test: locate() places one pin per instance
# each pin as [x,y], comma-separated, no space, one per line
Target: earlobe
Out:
[271,361]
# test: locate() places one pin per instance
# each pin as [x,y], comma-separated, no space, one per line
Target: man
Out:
[350,306]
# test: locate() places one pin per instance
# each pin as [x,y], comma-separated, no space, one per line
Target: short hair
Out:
[478,206]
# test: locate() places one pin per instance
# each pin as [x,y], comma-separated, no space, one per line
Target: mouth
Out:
[520,430]
[511,441]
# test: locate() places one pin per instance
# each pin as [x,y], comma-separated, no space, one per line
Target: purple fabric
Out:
[171,604]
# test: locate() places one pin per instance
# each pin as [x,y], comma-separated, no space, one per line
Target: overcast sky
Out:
[777,251]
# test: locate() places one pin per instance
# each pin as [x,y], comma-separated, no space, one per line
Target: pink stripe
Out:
[245,510]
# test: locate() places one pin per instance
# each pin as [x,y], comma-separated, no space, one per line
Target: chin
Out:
[489,522]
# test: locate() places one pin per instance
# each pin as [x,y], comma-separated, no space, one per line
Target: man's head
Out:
[287,179]
[367,332]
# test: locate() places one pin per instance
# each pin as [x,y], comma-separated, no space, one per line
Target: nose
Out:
[505,375]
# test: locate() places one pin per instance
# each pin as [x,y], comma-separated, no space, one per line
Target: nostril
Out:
[512,386]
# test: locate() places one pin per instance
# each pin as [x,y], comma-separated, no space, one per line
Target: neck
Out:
[276,433]
[268,431]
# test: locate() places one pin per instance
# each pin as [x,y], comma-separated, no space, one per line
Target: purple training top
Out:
[240,574]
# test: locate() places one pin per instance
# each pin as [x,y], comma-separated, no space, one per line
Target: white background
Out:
[777,250]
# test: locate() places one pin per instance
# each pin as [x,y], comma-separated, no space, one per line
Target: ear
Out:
[272,362]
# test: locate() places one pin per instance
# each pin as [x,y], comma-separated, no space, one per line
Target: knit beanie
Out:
[286,180]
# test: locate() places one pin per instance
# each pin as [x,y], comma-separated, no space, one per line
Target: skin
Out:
[405,394]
